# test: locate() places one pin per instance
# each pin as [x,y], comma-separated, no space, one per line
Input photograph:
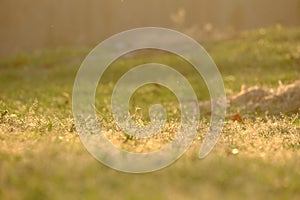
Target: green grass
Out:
[41,156]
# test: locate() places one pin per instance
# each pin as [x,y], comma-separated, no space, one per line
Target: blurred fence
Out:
[34,24]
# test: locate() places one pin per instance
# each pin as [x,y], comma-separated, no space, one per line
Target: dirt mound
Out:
[284,98]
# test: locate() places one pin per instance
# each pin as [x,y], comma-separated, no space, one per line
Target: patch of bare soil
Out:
[284,99]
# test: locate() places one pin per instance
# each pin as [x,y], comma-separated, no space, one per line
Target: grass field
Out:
[258,157]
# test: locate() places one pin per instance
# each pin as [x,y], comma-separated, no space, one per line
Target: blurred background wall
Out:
[37,24]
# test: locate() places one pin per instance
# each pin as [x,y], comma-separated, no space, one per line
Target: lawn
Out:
[257,155]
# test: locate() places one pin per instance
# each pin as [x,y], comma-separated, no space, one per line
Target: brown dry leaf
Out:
[236,117]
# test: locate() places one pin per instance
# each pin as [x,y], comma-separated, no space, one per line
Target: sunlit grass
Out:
[257,156]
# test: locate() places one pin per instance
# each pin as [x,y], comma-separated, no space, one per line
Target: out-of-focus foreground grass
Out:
[41,156]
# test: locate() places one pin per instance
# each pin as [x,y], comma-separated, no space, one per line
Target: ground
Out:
[257,156]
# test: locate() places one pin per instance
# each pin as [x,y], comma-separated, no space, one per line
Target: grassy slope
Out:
[42,157]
